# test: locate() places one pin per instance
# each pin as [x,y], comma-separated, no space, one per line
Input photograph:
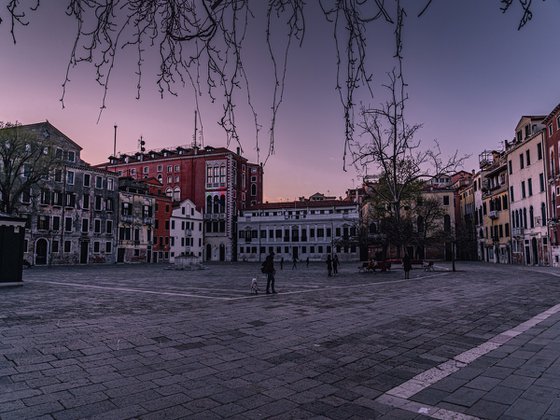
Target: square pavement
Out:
[146,341]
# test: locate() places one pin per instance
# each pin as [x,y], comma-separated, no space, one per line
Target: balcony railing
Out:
[493,214]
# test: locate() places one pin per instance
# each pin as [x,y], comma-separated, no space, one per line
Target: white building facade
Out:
[186,232]
[527,191]
[302,229]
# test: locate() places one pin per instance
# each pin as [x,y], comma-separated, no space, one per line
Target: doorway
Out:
[535,251]
[222,252]
[84,251]
[41,247]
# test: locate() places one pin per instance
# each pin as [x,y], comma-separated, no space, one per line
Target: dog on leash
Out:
[254,286]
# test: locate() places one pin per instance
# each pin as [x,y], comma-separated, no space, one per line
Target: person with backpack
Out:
[268,269]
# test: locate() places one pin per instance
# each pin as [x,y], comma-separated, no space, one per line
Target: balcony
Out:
[493,214]
[188,232]
[517,231]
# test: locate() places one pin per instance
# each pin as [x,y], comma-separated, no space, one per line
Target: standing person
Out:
[294,262]
[335,264]
[282,263]
[329,265]
[268,269]
[307,262]
[407,266]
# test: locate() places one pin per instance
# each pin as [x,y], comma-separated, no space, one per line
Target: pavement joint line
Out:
[398,396]
[126,289]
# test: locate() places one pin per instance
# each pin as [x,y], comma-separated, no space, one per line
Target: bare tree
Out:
[201,43]
[25,160]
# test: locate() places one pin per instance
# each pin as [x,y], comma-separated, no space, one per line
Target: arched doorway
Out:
[208,252]
[41,247]
[222,252]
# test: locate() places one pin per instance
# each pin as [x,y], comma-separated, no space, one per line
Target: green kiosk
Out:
[12,233]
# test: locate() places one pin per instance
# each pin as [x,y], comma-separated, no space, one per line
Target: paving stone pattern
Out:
[147,342]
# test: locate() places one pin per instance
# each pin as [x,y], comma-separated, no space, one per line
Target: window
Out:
[85,225]
[71,156]
[56,246]
[98,182]
[87,180]
[253,189]
[543,214]
[510,168]
[43,222]
[504,202]
[109,227]
[160,168]
[528,157]
[177,168]
[70,177]
[96,247]
[541,182]
[511,193]
[145,170]
[539,151]
[58,175]
[445,200]
[558,122]
[530,187]
[521,164]
[110,184]
[523,194]
[67,246]
[98,202]
[550,129]
[85,201]
[97,226]
[133,171]
[109,204]
[169,168]
[70,200]
[68,224]
[56,223]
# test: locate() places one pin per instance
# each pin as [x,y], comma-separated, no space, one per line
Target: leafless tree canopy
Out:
[25,160]
[200,44]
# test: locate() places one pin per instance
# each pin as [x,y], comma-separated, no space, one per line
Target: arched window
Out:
[169,192]
[177,194]
[222,203]
[253,189]
[517,218]
[543,214]
[525,217]
[160,179]
[209,204]
[216,206]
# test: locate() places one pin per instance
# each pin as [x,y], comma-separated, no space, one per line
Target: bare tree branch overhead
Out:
[200,44]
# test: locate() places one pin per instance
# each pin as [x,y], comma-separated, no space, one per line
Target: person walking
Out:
[294,262]
[329,265]
[335,264]
[307,262]
[268,269]
[407,266]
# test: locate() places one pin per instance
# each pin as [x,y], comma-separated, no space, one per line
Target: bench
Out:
[374,265]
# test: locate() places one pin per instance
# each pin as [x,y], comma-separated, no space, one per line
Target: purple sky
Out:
[471,76]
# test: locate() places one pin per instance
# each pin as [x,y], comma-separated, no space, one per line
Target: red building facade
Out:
[218,181]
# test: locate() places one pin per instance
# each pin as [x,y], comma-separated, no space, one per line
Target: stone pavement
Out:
[145,342]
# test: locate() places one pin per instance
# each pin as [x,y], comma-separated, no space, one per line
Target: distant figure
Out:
[268,269]
[282,263]
[329,265]
[307,262]
[335,264]
[294,262]
[407,266]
